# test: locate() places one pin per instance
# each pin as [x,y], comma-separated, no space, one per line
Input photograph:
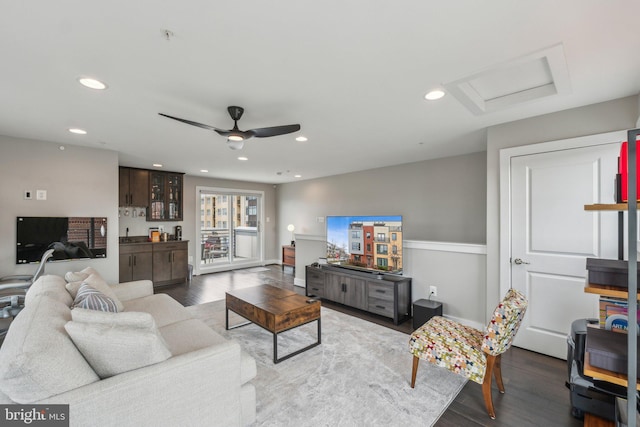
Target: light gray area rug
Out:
[359,376]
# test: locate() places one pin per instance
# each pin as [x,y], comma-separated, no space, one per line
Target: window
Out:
[368,247]
[355,246]
[394,236]
[382,249]
[355,234]
[230,221]
[394,249]
[368,234]
[381,237]
[382,262]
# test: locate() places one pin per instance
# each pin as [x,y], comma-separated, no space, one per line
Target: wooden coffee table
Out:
[274,309]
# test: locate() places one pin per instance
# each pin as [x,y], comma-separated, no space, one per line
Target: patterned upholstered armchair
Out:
[467,351]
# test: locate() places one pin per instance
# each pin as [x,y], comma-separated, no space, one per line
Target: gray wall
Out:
[441,200]
[594,119]
[79,182]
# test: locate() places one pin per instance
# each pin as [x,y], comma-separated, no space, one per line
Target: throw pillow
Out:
[112,348]
[136,319]
[96,282]
[91,299]
[77,276]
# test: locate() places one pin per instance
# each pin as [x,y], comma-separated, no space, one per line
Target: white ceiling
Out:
[352,73]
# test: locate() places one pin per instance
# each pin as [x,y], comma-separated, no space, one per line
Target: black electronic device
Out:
[70,237]
[365,242]
[587,394]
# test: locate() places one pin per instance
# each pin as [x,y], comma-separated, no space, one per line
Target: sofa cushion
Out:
[38,359]
[114,343]
[91,299]
[191,335]
[164,309]
[50,286]
[96,282]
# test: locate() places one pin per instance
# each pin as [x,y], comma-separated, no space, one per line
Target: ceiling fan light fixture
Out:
[235,144]
[235,138]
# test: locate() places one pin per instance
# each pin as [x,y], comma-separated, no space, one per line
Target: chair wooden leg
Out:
[486,386]
[414,371]
[497,373]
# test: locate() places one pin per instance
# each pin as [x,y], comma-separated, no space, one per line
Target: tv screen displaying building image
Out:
[365,242]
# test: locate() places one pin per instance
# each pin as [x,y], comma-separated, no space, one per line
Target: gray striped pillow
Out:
[93,299]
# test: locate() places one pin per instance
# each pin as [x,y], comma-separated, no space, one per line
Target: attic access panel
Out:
[534,76]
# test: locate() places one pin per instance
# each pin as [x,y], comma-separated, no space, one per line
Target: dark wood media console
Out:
[388,295]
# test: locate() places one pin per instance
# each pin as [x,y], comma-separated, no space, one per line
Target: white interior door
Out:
[552,235]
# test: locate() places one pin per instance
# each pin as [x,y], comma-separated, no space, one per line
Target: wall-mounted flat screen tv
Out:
[70,238]
[371,243]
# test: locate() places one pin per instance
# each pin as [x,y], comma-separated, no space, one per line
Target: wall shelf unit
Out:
[631,294]
[608,207]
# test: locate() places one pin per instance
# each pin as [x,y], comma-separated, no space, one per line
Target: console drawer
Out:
[381,291]
[316,289]
[382,307]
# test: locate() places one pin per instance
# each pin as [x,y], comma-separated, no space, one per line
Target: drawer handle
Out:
[381,291]
[381,307]
[315,289]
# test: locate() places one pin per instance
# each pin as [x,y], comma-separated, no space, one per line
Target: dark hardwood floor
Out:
[535,391]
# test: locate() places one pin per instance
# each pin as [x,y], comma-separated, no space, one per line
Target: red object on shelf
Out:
[623,169]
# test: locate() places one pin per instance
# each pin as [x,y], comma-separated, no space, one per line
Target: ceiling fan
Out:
[235,136]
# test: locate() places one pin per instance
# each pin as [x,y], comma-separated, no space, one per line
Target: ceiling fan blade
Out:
[274,131]
[189,122]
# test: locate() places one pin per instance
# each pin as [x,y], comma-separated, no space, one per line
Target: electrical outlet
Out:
[433,290]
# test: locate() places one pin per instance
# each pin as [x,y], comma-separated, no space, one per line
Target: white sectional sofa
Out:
[186,375]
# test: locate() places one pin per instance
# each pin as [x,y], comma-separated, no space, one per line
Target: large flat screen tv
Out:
[70,238]
[371,243]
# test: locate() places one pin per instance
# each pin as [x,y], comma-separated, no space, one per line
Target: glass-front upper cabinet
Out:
[174,189]
[166,196]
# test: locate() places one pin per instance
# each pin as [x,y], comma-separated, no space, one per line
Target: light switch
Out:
[41,194]
[28,194]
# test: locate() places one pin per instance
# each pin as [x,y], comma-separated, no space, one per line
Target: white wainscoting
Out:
[458,270]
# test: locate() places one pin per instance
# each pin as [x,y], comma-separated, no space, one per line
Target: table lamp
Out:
[291,228]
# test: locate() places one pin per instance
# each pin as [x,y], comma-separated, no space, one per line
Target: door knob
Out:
[518,261]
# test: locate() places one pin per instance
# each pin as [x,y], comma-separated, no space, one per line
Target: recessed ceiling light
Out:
[434,94]
[244,159]
[92,83]
[297,176]
[61,148]
[301,138]
[78,131]
[204,170]
[157,165]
